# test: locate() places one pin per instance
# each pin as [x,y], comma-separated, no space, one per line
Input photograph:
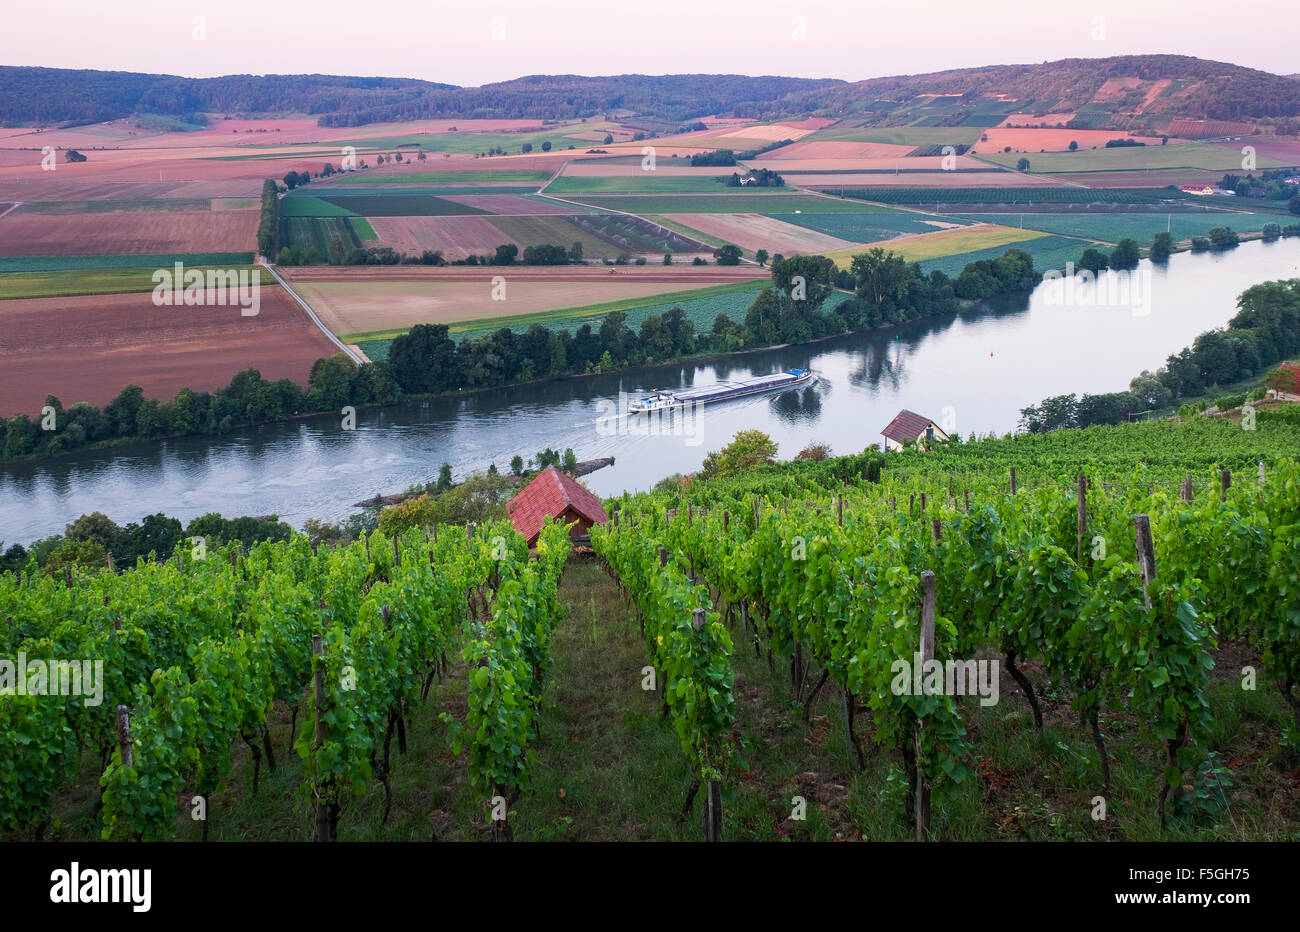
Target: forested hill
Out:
[1104,91]
[63,95]
[1155,85]
[57,95]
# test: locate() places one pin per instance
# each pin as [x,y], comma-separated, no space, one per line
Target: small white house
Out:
[910,427]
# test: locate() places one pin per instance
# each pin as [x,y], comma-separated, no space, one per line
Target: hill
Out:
[1125,92]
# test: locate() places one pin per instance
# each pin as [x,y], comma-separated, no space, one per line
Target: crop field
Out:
[435,190]
[869,227]
[847,149]
[1049,252]
[651,183]
[365,306]
[1111,228]
[454,237]
[933,179]
[444,177]
[118,205]
[701,306]
[910,136]
[90,348]
[790,168]
[1186,155]
[68,282]
[224,260]
[752,232]
[312,207]
[38,234]
[1054,140]
[318,233]
[514,204]
[1006,196]
[399,205]
[635,235]
[727,204]
[946,243]
[540,230]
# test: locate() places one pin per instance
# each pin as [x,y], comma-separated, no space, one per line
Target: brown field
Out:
[1140,179]
[1283,149]
[937,179]
[925,162]
[456,237]
[754,231]
[90,348]
[127,232]
[838,150]
[1047,119]
[1053,140]
[508,204]
[382,298]
[608,168]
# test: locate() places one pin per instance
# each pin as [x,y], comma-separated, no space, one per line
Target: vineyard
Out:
[982,196]
[197,653]
[1117,593]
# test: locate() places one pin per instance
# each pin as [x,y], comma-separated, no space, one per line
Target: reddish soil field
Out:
[937,179]
[838,150]
[1053,140]
[685,276]
[1286,149]
[919,163]
[1138,179]
[508,204]
[90,348]
[456,237]
[128,232]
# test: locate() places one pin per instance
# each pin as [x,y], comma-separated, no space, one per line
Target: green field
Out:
[324,191]
[1200,156]
[650,183]
[304,233]
[461,142]
[225,260]
[942,243]
[116,204]
[66,283]
[869,226]
[1026,195]
[401,205]
[312,207]
[1049,252]
[900,135]
[730,204]
[374,176]
[1111,228]
[363,229]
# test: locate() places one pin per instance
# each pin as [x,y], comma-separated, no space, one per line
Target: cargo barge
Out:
[664,400]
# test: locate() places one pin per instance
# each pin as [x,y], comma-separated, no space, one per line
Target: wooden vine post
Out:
[839,506]
[926,655]
[124,735]
[318,678]
[712,816]
[1225,480]
[1186,491]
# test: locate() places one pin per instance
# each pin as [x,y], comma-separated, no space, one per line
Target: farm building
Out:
[553,494]
[908,427]
[1200,189]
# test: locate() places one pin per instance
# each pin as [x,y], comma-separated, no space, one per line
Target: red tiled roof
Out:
[550,493]
[906,425]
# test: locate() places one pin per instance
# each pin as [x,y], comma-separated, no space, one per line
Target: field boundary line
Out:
[349,351]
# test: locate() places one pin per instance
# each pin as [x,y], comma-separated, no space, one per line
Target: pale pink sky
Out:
[441,41]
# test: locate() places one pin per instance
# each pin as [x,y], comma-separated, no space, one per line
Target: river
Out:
[972,371]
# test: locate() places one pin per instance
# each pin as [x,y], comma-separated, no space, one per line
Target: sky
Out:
[495,40]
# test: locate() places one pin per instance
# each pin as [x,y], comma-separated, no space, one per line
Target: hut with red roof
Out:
[553,494]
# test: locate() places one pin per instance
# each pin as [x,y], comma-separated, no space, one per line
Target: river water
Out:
[972,371]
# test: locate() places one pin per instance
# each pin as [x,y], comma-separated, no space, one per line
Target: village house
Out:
[910,427]
[553,494]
